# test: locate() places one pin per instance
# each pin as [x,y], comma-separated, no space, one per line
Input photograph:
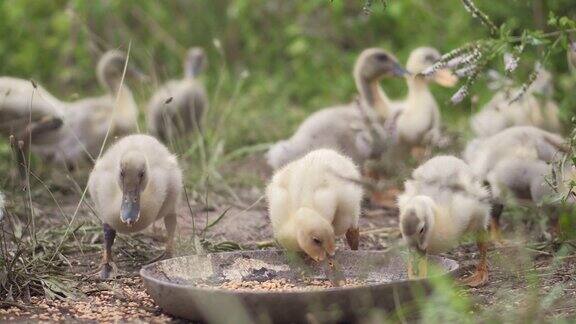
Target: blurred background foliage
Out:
[296,56]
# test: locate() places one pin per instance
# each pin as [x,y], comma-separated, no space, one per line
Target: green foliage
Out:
[299,53]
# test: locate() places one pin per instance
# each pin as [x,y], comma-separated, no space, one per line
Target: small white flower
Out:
[510,62]
[454,62]
[465,71]
[460,95]
[466,59]
[431,69]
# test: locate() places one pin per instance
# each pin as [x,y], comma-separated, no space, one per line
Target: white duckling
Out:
[70,132]
[534,108]
[526,142]
[178,106]
[22,102]
[515,163]
[346,128]
[311,202]
[441,203]
[136,182]
[88,121]
[417,118]
[30,114]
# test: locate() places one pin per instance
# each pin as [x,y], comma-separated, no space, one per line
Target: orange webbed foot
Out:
[478,278]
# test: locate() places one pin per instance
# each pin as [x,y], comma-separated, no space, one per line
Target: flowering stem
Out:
[470,6]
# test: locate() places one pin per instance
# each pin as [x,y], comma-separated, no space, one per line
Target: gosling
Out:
[178,106]
[313,200]
[135,183]
[440,204]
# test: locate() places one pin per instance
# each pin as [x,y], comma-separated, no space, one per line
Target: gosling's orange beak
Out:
[330,249]
[445,78]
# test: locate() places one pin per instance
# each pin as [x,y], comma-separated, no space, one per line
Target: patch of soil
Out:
[125,299]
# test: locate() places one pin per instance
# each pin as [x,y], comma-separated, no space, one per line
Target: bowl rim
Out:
[451,271]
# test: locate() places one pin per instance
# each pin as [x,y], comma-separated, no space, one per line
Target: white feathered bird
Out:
[441,203]
[311,202]
[351,128]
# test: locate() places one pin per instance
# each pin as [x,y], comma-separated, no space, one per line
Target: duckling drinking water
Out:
[440,204]
[178,106]
[136,182]
[311,202]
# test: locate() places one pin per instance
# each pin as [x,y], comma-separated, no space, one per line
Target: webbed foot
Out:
[107,271]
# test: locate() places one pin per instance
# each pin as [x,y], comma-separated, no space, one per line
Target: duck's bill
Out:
[399,71]
[334,272]
[46,124]
[445,78]
[130,209]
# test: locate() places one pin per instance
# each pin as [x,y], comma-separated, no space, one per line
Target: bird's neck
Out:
[418,90]
[192,69]
[374,96]
[126,111]
[287,235]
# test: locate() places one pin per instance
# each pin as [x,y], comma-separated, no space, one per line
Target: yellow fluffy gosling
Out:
[440,204]
[311,202]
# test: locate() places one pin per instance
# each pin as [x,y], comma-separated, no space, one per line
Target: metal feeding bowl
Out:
[190,287]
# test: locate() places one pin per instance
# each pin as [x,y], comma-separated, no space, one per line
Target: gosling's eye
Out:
[317,241]
[422,231]
[430,58]
[122,173]
[141,174]
[382,57]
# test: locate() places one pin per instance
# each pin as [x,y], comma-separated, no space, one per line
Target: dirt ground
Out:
[125,299]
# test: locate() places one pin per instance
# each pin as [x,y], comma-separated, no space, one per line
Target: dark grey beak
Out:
[130,209]
[399,71]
